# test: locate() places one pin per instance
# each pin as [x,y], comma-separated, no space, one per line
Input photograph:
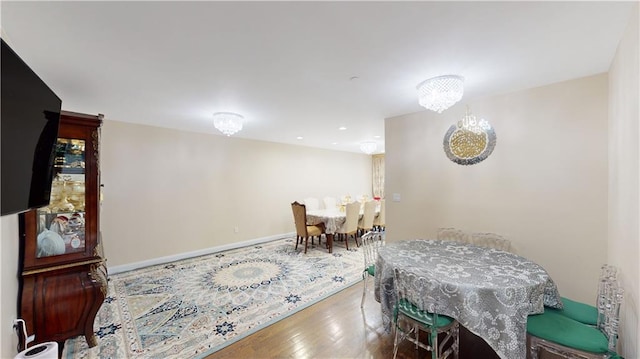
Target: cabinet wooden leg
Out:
[91,340]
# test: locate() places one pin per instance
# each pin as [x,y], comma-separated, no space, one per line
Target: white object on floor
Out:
[48,350]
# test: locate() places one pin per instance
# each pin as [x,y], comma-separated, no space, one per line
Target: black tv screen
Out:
[29,119]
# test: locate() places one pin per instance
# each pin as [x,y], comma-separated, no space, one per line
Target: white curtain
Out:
[378,175]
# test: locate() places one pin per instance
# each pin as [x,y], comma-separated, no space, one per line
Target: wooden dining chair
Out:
[416,313]
[370,243]
[561,335]
[302,229]
[365,224]
[350,226]
[311,204]
[379,220]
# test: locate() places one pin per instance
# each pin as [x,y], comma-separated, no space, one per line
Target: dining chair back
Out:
[370,242]
[379,220]
[564,336]
[302,229]
[414,313]
[491,240]
[587,313]
[350,226]
[609,310]
[330,202]
[311,203]
[365,224]
[453,234]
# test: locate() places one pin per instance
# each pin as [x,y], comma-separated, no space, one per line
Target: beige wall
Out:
[9,246]
[624,174]
[169,192]
[544,186]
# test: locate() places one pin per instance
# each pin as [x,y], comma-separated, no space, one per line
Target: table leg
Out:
[329,237]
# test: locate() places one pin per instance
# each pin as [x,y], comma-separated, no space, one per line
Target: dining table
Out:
[333,219]
[488,291]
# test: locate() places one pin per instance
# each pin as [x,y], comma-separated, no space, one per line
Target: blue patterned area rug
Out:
[194,307]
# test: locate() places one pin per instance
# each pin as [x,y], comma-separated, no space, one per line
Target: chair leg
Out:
[395,340]
[297,240]
[306,243]
[456,340]
[534,349]
[365,276]
[434,343]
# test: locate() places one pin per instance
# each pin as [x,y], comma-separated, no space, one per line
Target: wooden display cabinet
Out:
[63,278]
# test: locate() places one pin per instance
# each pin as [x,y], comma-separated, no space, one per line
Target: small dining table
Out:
[490,292]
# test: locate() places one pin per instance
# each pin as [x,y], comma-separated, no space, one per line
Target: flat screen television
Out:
[29,119]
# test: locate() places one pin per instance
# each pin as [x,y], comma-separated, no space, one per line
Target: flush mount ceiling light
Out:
[368,147]
[439,93]
[228,122]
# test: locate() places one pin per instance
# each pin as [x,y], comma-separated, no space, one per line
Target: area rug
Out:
[194,307]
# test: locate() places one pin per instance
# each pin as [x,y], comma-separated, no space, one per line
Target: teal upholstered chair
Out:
[370,242]
[561,335]
[582,312]
[415,313]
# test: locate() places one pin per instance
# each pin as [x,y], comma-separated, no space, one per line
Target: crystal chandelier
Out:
[228,122]
[470,123]
[439,93]
[368,147]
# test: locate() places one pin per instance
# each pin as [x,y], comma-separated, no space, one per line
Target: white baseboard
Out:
[179,256]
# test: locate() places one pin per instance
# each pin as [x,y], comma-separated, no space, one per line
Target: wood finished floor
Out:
[337,328]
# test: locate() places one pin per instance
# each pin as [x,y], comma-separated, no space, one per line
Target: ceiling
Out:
[300,68]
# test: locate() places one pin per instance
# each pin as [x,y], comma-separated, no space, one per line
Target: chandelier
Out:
[368,147]
[228,122]
[439,93]
[470,123]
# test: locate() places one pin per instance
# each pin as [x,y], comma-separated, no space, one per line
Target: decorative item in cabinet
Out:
[63,279]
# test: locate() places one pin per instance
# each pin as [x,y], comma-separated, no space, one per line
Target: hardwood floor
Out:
[337,328]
